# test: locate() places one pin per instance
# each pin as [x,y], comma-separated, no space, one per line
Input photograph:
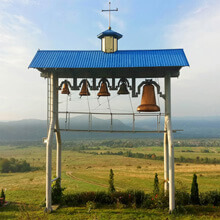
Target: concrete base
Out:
[47,210]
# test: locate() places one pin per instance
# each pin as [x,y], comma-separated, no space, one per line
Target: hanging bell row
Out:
[148,101]
[123,90]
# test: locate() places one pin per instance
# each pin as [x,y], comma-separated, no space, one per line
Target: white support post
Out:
[59,149]
[166,158]
[58,137]
[53,119]
[170,143]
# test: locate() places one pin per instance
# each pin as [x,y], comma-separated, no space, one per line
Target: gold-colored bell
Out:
[65,89]
[123,90]
[103,90]
[84,91]
[148,101]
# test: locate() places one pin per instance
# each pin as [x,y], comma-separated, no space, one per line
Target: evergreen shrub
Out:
[195,191]
[111,182]
[2,201]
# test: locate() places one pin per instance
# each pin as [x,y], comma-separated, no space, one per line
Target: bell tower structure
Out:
[115,69]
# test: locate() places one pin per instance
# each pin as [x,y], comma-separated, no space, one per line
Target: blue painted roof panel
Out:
[99,59]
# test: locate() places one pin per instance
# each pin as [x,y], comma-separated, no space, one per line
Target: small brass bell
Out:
[148,101]
[123,90]
[103,90]
[65,89]
[84,91]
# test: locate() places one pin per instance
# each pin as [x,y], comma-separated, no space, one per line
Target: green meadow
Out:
[83,171]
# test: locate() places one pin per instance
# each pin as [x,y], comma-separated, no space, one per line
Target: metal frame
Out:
[112,86]
[54,121]
[111,130]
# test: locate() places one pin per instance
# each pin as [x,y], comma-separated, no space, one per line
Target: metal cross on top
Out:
[109,10]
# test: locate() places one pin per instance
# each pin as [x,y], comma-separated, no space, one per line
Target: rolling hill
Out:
[35,130]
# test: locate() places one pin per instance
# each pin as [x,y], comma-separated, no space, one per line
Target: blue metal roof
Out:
[109,32]
[99,59]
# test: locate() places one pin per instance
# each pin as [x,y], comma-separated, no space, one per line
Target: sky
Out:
[29,25]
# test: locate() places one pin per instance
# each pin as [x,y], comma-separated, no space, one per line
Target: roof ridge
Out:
[115,52]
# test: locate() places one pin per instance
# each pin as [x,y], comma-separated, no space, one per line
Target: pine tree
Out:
[156,184]
[111,182]
[3,195]
[195,191]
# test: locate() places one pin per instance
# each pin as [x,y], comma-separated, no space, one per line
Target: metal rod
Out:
[54,179]
[133,122]
[116,131]
[107,113]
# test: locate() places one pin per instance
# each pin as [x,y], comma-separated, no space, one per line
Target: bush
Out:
[103,198]
[13,165]
[148,203]
[127,198]
[182,198]
[139,198]
[57,192]
[72,199]
[211,197]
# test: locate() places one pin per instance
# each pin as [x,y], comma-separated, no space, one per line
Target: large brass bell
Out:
[103,90]
[148,101]
[84,91]
[123,90]
[65,89]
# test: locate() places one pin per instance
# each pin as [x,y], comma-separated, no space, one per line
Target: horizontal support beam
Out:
[134,72]
[107,113]
[116,131]
[54,179]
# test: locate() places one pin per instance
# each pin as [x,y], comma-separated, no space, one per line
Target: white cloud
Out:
[17,34]
[197,91]
[25,2]
[18,37]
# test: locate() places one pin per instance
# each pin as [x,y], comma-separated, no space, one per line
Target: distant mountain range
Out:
[35,130]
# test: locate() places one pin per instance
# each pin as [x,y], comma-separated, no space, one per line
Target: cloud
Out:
[24,2]
[18,37]
[198,33]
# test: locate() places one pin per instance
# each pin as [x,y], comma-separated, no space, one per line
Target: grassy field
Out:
[88,172]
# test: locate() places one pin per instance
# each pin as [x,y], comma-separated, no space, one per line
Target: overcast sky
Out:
[26,25]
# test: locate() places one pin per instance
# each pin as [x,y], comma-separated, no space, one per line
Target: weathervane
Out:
[109,10]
